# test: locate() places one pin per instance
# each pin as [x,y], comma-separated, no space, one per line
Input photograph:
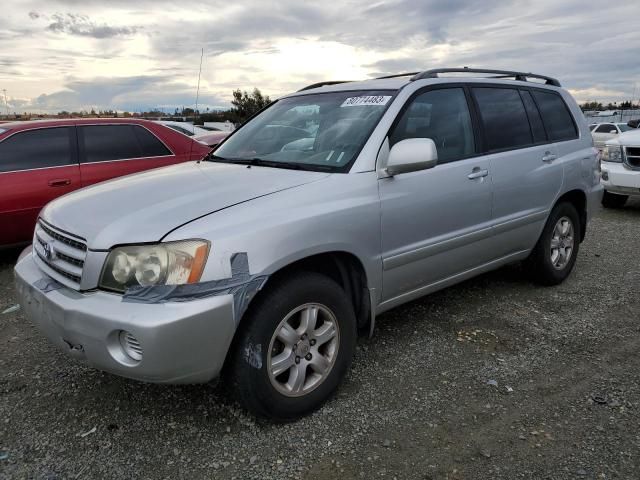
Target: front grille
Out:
[62,238]
[59,255]
[632,157]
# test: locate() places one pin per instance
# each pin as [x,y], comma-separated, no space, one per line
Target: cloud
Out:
[81,25]
[128,93]
[147,52]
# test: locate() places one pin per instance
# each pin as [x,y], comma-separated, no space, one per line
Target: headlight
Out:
[171,263]
[612,153]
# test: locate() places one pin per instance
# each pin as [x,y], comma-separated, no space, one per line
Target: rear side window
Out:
[505,120]
[535,121]
[556,116]
[151,146]
[181,130]
[102,143]
[443,116]
[41,148]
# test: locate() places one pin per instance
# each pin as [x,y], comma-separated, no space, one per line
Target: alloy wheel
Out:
[303,349]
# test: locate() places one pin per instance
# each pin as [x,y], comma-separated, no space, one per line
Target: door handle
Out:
[477,173]
[62,182]
[548,157]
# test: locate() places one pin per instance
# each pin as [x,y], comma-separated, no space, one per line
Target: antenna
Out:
[197,98]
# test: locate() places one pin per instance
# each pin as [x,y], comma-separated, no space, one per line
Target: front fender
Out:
[340,213]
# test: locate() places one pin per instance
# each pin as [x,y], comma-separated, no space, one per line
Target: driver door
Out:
[436,222]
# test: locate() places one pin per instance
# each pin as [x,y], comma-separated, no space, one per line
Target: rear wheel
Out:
[613,200]
[554,256]
[295,346]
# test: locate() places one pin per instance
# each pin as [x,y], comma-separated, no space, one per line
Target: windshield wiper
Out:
[261,162]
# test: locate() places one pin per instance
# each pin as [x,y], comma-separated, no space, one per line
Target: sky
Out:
[141,54]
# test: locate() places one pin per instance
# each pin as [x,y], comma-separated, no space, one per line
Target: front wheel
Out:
[295,346]
[554,256]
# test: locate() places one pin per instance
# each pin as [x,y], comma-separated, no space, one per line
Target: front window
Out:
[323,131]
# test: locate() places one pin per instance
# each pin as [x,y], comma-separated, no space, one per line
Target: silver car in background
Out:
[334,204]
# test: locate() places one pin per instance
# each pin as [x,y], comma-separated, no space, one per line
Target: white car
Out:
[186,128]
[620,165]
[602,132]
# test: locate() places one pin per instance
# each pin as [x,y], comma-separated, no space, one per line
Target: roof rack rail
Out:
[322,84]
[395,75]
[520,76]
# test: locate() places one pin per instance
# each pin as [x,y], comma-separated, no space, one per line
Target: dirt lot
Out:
[494,378]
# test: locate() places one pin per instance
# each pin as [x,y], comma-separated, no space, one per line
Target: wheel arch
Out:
[346,269]
[343,267]
[578,199]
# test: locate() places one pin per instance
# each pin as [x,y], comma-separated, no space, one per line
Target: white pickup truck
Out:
[621,169]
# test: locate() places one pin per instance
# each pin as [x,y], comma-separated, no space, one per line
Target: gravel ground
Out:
[494,378]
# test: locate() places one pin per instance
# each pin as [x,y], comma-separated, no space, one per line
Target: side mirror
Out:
[615,132]
[411,155]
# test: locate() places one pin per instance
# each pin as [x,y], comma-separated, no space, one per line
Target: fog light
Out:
[605,176]
[130,345]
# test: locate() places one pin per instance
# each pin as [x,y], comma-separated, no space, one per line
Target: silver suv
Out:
[334,204]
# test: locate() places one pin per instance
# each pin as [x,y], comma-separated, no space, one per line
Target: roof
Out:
[53,122]
[397,81]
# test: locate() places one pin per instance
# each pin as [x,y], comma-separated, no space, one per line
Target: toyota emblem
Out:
[48,251]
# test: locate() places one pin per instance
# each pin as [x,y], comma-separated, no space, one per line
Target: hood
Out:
[630,138]
[145,207]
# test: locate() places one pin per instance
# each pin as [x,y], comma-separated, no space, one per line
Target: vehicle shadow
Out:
[9,256]
[214,404]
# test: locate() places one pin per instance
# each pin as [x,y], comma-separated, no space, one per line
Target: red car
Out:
[212,138]
[42,160]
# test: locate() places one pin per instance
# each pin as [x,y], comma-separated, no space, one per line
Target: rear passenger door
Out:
[112,150]
[435,223]
[526,174]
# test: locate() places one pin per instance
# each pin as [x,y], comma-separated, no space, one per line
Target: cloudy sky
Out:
[132,55]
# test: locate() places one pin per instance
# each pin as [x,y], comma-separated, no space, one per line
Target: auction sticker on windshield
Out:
[366,100]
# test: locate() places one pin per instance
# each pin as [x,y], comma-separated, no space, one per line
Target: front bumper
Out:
[182,342]
[617,178]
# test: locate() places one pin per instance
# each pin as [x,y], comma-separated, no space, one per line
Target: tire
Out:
[545,264]
[613,200]
[258,386]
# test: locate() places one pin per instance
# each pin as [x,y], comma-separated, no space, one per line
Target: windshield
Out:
[624,127]
[323,131]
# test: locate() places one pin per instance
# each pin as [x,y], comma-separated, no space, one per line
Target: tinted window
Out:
[443,116]
[535,121]
[151,146]
[605,128]
[102,143]
[181,130]
[41,148]
[505,120]
[556,116]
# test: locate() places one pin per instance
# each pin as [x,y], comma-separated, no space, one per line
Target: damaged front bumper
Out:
[177,342]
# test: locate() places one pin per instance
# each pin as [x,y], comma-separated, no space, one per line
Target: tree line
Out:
[243,105]
[627,105]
